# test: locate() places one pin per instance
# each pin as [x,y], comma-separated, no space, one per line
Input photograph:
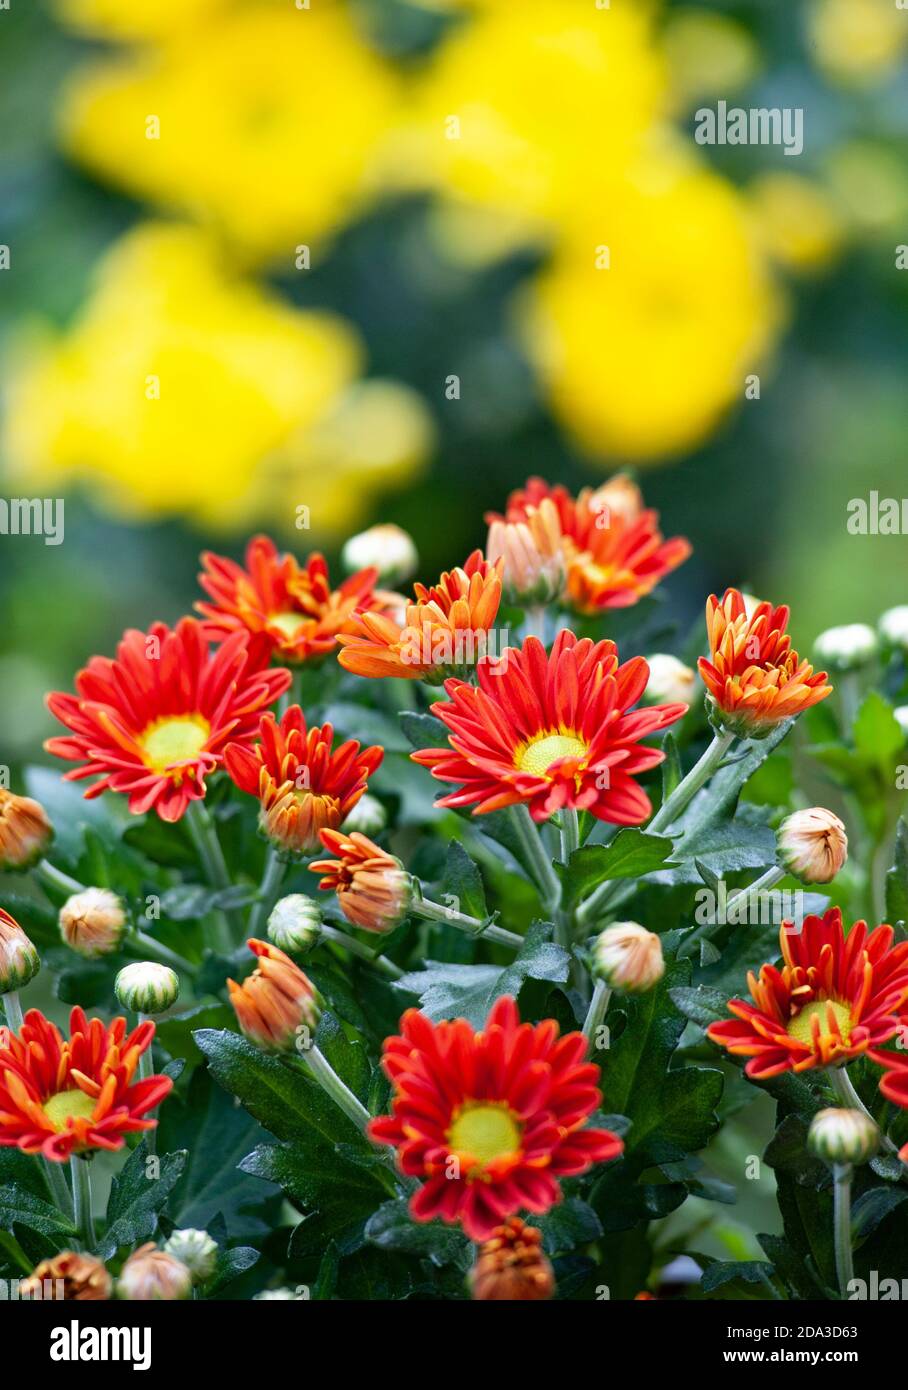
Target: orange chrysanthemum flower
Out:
[373,888]
[276,1001]
[303,787]
[59,1097]
[551,731]
[445,630]
[153,722]
[614,551]
[835,997]
[490,1120]
[753,677]
[293,606]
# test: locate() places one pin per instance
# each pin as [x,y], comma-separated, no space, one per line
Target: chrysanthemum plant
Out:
[333,1038]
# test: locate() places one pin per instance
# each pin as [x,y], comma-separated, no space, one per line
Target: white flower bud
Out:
[628,958]
[196,1250]
[368,816]
[843,1136]
[147,987]
[893,627]
[295,924]
[670,681]
[387,548]
[846,648]
[812,844]
[92,922]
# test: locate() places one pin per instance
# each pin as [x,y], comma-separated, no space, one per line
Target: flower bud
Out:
[275,1001]
[368,816]
[92,922]
[620,497]
[284,1295]
[846,648]
[25,831]
[196,1250]
[511,1266]
[295,924]
[670,681]
[373,888]
[83,1277]
[812,844]
[893,627]
[147,987]
[19,960]
[151,1274]
[532,552]
[387,548]
[628,958]
[842,1136]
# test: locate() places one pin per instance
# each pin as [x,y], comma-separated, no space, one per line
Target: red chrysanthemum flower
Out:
[490,1120]
[303,786]
[551,731]
[835,997]
[614,551]
[753,677]
[153,722]
[64,1096]
[445,630]
[894,1083]
[293,606]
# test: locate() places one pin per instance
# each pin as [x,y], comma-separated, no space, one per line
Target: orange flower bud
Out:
[25,831]
[628,958]
[150,1275]
[19,961]
[373,888]
[92,922]
[813,844]
[511,1266]
[82,1276]
[276,1000]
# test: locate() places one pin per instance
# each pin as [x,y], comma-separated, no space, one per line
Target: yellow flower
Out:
[707,55]
[797,221]
[857,40]
[265,124]
[524,103]
[654,310]
[183,389]
[134,19]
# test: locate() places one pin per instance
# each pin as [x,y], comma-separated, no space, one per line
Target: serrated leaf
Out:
[700,1005]
[897,878]
[462,888]
[393,1228]
[136,1199]
[423,730]
[631,854]
[19,1205]
[872,1207]
[877,734]
[192,901]
[568,1224]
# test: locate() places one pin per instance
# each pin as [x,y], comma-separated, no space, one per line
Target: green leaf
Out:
[347,1056]
[423,730]
[20,1206]
[631,854]
[897,878]
[700,1005]
[746,842]
[872,1207]
[193,901]
[462,886]
[878,735]
[724,1273]
[672,771]
[368,726]
[70,813]
[469,991]
[571,1223]
[231,1264]
[393,1228]
[136,1198]
[339,1196]
[717,801]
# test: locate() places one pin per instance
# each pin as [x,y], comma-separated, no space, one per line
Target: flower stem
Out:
[744,899]
[688,787]
[473,926]
[356,948]
[272,878]
[58,1185]
[56,878]
[596,1012]
[142,946]
[844,1263]
[332,1085]
[208,847]
[145,1071]
[843,1086]
[82,1214]
[544,875]
[570,833]
[13,1010]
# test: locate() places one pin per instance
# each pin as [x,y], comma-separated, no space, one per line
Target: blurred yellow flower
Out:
[266,124]
[134,19]
[857,40]
[797,221]
[523,105]
[653,312]
[182,389]
[870,182]
[707,55]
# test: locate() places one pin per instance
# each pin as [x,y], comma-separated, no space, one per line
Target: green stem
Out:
[272,878]
[332,1085]
[82,1213]
[146,1069]
[596,1012]
[535,623]
[56,878]
[473,926]
[843,1086]
[143,947]
[58,1185]
[13,1010]
[848,684]
[211,856]
[541,869]
[745,898]
[356,948]
[570,834]
[844,1263]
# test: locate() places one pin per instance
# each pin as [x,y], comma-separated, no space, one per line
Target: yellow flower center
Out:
[485,1130]
[288,623]
[801,1026]
[537,756]
[178,739]
[68,1105]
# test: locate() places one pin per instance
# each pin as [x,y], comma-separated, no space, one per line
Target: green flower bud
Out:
[19,960]
[196,1250]
[147,987]
[842,1136]
[295,924]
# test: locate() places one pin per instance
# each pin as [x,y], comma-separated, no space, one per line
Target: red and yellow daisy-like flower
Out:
[445,630]
[490,1120]
[373,888]
[614,551]
[291,605]
[64,1096]
[894,1084]
[753,677]
[153,722]
[304,784]
[551,731]
[835,997]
